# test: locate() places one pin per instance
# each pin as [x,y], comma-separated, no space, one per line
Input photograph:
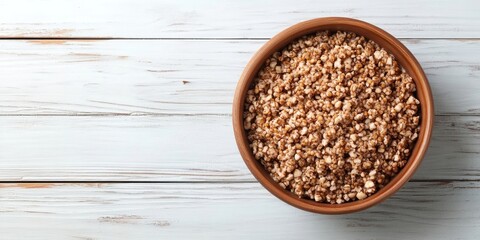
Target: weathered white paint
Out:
[231,19]
[439,210]
[178,148]
[158,110]
[181,77]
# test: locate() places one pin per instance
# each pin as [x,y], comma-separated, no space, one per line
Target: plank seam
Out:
[195,39]
[206,182]
[136,114]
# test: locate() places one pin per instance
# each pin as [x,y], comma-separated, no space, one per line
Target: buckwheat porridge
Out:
[332,117]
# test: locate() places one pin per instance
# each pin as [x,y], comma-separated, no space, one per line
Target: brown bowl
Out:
[391,45]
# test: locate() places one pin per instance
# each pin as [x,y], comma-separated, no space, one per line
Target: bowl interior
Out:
[391,45]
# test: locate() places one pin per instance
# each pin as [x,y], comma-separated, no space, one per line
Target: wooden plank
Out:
[229,19]
[234,211]
[164,77]
[178,148]
[119,148]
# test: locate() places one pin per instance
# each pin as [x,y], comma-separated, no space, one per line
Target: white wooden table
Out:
[115,121]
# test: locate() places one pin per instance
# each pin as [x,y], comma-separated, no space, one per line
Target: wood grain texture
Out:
[165,77]
[155,107]
[229,19]
[179,148]
[441,210]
